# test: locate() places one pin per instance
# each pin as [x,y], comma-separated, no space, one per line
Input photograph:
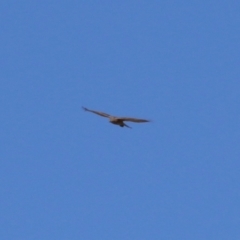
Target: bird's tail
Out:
[126,125]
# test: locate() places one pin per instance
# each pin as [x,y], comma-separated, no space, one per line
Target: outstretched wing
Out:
[97,112]
[136,120]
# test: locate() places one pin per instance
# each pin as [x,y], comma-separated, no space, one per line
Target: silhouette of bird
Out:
[117,120]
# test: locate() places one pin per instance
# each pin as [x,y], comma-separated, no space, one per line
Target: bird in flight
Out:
[117,120]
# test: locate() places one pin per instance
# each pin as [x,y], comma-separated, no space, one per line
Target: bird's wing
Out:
[97,112]
[136,120]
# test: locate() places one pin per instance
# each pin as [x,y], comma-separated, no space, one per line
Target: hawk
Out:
[117,120]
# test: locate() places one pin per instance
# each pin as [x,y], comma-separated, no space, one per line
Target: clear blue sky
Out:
[67,174]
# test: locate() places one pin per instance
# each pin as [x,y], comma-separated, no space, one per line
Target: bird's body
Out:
[117,120]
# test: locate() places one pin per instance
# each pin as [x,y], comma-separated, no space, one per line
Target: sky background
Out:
[67,174]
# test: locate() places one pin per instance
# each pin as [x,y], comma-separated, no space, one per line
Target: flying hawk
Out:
[117,120]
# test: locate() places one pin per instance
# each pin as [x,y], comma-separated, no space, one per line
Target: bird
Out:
[117,120]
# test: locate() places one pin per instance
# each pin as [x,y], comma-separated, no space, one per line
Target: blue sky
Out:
[69,174]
